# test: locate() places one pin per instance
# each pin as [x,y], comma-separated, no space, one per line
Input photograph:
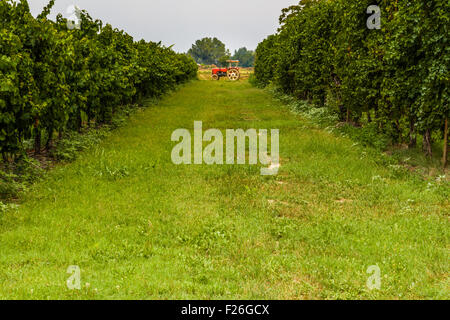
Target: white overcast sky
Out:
[238,23]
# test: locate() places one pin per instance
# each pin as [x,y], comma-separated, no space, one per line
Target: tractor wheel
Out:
[215,77]
[233,74]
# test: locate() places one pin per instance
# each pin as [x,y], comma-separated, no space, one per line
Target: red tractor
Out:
[232,72]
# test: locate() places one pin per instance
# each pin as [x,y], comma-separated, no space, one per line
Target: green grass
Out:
[140,227]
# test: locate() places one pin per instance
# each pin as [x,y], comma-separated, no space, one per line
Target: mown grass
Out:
[140,227]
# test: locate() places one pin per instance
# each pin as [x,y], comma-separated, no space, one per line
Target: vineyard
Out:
[54,80]
[394,81]
[93,205]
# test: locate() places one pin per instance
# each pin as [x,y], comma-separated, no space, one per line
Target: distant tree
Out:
[222,61]
[245,56]
[208,51]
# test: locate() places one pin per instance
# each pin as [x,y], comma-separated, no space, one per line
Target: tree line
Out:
[396,78]
[210,51]
[54,79]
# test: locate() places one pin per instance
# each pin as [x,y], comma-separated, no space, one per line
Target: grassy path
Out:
[140,227]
